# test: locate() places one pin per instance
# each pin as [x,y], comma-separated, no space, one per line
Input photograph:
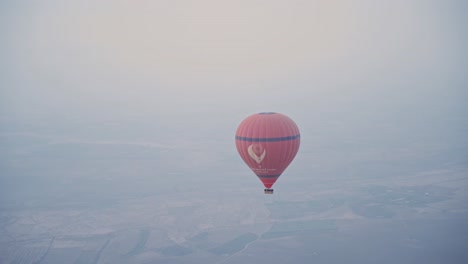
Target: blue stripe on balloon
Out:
[268,139]
[268,176]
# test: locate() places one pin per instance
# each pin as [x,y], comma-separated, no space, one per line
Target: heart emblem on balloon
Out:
[257,152]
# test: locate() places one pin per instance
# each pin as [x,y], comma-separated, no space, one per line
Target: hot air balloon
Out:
[268,142]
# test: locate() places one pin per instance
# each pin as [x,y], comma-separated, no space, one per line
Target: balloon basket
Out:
[268,191]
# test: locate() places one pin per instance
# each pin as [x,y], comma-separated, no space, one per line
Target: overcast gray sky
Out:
[163,60]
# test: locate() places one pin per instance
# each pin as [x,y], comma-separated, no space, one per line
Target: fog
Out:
[117,123]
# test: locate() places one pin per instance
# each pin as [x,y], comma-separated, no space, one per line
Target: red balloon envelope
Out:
[268,142]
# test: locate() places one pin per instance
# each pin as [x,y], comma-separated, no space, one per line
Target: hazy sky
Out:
[163,60]
[115,104]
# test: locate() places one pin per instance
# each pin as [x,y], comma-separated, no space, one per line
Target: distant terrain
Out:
[67,201]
